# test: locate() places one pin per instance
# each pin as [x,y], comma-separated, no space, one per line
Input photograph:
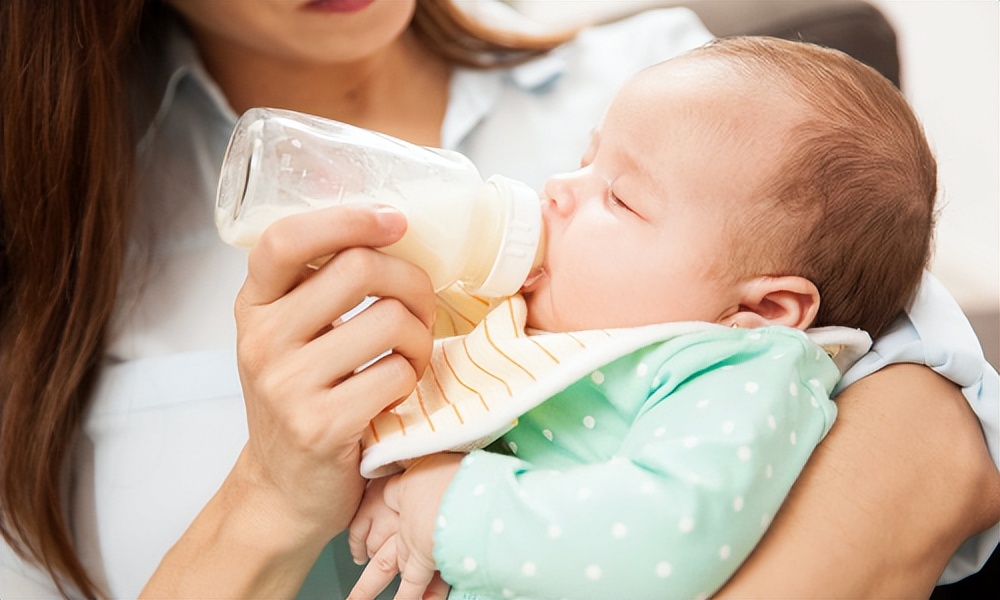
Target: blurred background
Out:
[950,72]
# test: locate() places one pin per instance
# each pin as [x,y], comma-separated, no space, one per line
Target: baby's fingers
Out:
[357,538]
[374,523]
[378,573]
[438,589]
[415,581]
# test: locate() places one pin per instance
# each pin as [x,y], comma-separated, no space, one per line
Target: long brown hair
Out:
[66,194]
[463,40]
[65,189]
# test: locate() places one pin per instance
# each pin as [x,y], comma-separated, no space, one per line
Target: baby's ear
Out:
[787,300]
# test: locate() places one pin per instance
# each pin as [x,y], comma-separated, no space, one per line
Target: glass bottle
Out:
[485,234]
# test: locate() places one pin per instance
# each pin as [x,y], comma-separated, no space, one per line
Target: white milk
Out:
[485,234]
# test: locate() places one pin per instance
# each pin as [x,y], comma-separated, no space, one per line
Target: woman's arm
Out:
[296,483]
[900,482]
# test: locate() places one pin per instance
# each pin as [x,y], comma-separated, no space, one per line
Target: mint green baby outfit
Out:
[653,477]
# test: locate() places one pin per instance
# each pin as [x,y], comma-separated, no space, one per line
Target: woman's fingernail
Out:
[390,217]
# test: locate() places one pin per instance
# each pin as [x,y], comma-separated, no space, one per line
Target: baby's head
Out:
[737,184]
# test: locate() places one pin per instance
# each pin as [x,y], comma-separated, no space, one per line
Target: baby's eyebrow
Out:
[595,141]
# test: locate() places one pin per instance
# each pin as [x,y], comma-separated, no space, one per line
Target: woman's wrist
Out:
[243,543]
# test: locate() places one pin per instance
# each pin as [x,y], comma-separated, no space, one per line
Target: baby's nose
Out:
[560,195]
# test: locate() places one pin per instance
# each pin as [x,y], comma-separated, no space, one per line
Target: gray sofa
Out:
[852,26]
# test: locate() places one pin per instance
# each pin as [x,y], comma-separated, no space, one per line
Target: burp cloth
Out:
[478,384]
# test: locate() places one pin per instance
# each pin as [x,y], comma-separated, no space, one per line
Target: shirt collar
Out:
[179,61]
[542,71]
[474,92]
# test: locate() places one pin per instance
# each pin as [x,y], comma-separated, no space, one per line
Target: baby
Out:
[673,396]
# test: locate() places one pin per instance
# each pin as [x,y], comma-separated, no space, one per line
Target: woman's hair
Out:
[850,205]
[462,39]
[66,196]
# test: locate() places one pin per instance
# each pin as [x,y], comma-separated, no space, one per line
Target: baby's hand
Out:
[372,535]
[373,523]
[414,497]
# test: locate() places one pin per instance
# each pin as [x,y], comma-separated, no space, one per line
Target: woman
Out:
[122,416]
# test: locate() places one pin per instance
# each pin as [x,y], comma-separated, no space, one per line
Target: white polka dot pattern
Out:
[631,480]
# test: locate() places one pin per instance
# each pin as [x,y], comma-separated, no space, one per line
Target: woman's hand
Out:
[900,482]
[306,406]
[296,483]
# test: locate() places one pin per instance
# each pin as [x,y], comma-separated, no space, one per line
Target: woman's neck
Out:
[402,91]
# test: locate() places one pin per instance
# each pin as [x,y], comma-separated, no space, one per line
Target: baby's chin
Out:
[541,318]
[534,325]
[538,319]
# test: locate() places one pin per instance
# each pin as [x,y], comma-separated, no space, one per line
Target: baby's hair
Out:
[850,205]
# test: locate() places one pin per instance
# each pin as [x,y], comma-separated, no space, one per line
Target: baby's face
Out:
[638,234]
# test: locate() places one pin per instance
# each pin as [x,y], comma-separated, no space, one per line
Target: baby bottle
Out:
[484,234]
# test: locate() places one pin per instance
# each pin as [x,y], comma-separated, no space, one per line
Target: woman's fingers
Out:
[289,348]
[268,332]
[341,284]
[340,351]
[358,399]
[307,401]
[386,325]
[279,259]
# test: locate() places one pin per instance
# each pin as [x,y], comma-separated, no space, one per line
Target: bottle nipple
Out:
[521,248]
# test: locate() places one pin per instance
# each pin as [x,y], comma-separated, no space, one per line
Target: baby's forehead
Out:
[718,133]
[706,91]
[715,74]
[694,65]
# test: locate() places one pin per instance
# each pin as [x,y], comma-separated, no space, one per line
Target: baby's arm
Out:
[683,498]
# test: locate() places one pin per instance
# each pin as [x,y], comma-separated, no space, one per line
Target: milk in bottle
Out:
[460,228]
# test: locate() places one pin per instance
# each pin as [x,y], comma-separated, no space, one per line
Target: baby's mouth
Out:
[533,278]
